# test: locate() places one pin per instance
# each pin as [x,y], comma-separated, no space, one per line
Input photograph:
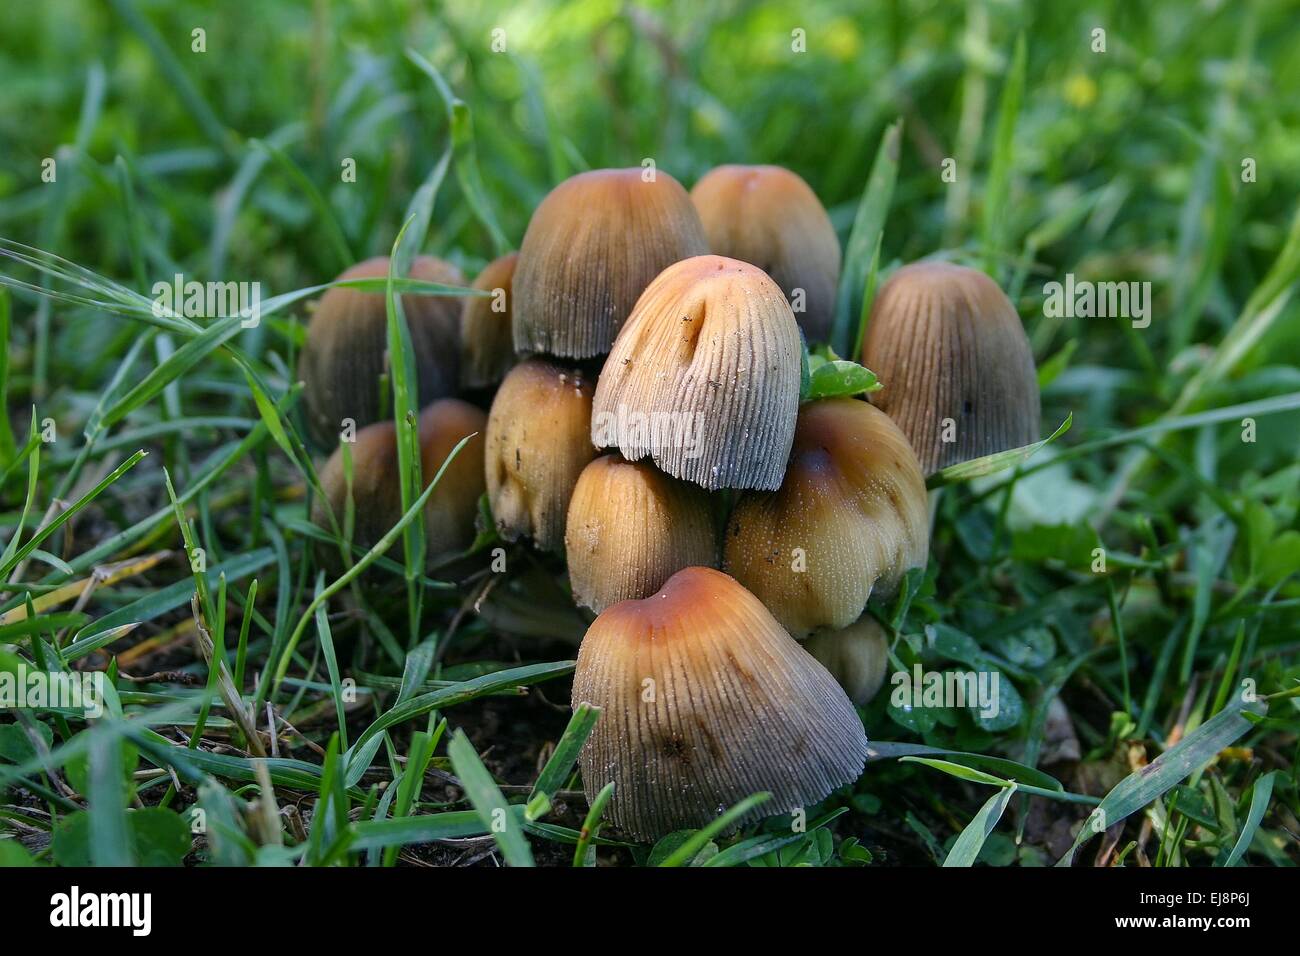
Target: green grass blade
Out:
[868,226]
[997,191]
[489,802]
[971,840]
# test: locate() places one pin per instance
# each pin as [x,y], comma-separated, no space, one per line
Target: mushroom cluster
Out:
[650,422]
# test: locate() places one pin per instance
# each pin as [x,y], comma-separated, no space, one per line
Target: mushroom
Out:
[538,442]
[704,377]
[956,365]
[346,351]
[376,490]
[630,527]
[850,517]
[769,216]
[592,246]
[857,657]
[450,511]
[705,700]
[486,343]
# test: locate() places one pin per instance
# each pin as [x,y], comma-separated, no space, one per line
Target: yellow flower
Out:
[1080,90]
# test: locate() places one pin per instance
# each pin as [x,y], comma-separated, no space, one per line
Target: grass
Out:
[1133,582]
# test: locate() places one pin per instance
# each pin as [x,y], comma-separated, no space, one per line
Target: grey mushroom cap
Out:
[956,365]
[593,244]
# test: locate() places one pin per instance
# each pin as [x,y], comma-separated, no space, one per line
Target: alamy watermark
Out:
[654,431]
[209,300]
[27,688]
[1083,299]
[978,690]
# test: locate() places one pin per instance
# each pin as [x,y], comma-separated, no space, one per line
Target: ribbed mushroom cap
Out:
[487,349]
[376,489]
[592,246]
[630,528]
[849,517]
[947,344]
[704,378]
[538,442]
[705,700]
[769,216]
[450,511]
[346,351]
[857,657]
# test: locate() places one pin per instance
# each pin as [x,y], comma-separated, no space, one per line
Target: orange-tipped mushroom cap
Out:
[592,246]
[955,362]
[769,216]
[849,517]
[705,700]
[704,378]
[630,528]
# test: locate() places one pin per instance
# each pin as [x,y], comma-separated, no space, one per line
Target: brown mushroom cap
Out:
[376,489]
[769,216]
[538,442]
[850,516]
[487,349]
[947,343]
[704,377]
[346,351]
[857,657]
[450,511]
[705,700]
[630,527]
[592,246]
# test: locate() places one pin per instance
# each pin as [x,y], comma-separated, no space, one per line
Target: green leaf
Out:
[971,840]
[1141,788]
[461,123]
[885,750]
[841,378]
[997,190]
[992,464]
[691,847]
[161,836]
[959,771]
[560,765]
[868,226]
[488,800]
[1260,794]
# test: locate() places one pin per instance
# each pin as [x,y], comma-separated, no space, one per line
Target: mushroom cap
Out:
[769,216]
[450,511]
[538,442]
[850,516]
[593,244]
[704,377]
[487,349]
[630,527]
[346,350]
[376,489]
[947,343]
[857,657]
[705,700]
